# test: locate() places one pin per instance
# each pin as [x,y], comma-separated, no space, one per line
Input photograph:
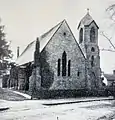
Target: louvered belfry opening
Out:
[92,34]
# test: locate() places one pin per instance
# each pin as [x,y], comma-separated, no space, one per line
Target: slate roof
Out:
[86,20]
[28,53]
[109,77]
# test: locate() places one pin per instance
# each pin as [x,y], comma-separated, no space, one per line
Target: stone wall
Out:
[96,68]
[13,77]
[21,78]
[63,40]
[4,81]
[93,73]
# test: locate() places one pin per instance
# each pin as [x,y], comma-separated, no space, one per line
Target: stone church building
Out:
[56,64]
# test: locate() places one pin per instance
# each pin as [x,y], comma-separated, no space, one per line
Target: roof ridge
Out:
[109,74]
[59,24]
[48,31]
[75,39]
[44,40]
[26,48]
[87,17]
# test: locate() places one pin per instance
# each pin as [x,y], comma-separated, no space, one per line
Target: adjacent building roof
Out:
[28,53]
[109,77]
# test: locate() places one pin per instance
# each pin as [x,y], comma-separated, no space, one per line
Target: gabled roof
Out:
[28,53]
[109,77]
[75,40]
[47,36]
[87,20]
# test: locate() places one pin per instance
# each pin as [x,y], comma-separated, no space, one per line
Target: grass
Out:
[7,94]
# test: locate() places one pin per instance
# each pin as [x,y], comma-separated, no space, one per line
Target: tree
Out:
[4,46]
[111,11]
[5,52]
[109,40]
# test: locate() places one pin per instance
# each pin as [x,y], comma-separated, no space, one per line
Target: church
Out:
[56,64]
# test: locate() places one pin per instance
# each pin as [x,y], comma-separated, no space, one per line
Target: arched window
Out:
[81,35]
[64,64]
[78,73]
[93,49]
[69,67]
[92,34]
[59,67]
[92,61]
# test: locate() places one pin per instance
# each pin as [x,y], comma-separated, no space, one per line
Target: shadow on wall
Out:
[0,81]
[28,71]
[47,75]
[69,93]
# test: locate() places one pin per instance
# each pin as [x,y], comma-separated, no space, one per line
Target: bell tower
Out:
[88,41]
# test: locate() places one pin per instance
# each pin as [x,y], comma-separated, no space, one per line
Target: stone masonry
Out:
[61,64]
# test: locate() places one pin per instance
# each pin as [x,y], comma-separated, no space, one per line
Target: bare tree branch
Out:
[111,11]
[111,7]
[109,39]
[109,50]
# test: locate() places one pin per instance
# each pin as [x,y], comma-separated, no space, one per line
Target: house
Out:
[109,79]
[55,64]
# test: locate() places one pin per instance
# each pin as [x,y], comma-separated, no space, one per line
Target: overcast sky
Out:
[25,20]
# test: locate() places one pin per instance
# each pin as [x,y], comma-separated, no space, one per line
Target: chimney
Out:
[114,72]
[18,51]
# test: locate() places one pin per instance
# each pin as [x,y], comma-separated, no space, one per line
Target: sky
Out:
[25,20]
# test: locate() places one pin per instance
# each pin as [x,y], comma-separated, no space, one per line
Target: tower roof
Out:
[86,20]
